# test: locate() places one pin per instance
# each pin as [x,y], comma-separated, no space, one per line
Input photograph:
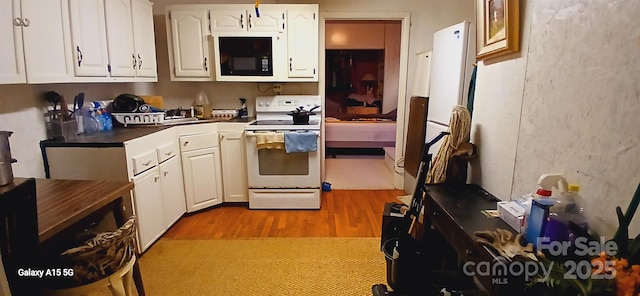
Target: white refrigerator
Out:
[452,61]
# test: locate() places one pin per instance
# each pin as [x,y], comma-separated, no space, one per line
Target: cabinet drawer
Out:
[167,151]
[144,162]
[199,141]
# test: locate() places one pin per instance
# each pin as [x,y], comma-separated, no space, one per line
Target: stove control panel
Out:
[286,103]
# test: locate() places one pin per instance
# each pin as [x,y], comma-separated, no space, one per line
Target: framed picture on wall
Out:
[498,28]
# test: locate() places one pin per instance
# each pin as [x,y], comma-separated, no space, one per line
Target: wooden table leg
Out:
[118,214]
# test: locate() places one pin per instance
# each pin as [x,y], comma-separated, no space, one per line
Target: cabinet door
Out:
[202,178]
[302,43]
[228,20]
[270,20]
[48,28]
[88,35]
[147,196]
[172,190]
[189,42]
[234,175]
[144,38]
[119,26]
[11,57]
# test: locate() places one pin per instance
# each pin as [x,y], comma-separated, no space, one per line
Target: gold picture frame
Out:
[498,31]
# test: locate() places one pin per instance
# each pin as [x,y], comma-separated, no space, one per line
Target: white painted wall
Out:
[568,103]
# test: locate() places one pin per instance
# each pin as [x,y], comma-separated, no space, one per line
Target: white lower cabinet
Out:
[172,190]
[234,169]
[149,207]
[201,171]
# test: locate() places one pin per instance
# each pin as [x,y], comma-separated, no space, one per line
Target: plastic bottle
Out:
[91,124]
[568,208]
[543,195]
[199,104]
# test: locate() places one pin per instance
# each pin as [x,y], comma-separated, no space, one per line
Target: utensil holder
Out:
[61,129]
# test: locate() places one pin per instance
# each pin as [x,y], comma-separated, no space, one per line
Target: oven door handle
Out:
[256,133]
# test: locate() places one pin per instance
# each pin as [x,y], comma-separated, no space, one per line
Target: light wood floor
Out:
[343,213]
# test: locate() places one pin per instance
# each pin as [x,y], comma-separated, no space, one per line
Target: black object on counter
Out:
[127,103]
[243,112]
[301,116]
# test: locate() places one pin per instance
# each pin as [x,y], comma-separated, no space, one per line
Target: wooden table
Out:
[63,204]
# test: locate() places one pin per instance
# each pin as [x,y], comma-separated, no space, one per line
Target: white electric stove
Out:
[277,179]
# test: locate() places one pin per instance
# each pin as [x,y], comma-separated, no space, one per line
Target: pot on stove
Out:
[301,116]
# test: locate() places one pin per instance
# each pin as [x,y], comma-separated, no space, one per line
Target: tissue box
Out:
[512,213]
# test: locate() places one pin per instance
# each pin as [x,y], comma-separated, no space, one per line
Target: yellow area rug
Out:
[271,266]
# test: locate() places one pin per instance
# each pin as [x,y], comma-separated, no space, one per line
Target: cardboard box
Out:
[512,213]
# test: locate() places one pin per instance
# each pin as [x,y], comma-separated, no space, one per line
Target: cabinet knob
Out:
[133,57]
[168,153]
[156,178]
[185,143]
[206,68]
[242,21]
[26,22]
[17,21]
[139,61]
[147,163]
[166,173]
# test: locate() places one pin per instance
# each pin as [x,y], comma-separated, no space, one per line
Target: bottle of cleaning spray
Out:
[534,228]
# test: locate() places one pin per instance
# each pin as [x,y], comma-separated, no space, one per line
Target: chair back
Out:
[102,255]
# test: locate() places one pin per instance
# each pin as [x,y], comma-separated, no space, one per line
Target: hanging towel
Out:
[300,142]
[270,140]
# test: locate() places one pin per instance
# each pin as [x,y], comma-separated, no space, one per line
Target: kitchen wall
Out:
[567,102]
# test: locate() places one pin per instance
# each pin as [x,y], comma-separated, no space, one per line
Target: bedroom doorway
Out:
[362,66]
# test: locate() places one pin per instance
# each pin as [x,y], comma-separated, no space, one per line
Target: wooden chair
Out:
[104,261]
[19,234]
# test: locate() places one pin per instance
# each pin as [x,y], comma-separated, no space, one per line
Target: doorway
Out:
[364,87]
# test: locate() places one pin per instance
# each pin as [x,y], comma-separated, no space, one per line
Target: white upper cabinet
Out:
[190,56]
[244,18]
[122,55]
[130,38]
[27,27]
[88,35]
[194,33]
[11,54]
[302,43]
[144,38]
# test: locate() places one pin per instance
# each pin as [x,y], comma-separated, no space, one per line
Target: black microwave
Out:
[245,56]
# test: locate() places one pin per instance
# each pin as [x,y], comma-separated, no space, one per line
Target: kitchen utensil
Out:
[78,101]
[6,172]
[53,98]
[64,109]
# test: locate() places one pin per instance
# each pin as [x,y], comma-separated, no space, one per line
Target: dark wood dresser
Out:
[456,213]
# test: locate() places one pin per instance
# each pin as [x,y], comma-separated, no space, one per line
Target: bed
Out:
[360,134]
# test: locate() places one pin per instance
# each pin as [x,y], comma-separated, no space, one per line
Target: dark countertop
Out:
[119,134]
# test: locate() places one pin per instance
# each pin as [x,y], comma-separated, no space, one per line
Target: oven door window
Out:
[276,162]
[246,56]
